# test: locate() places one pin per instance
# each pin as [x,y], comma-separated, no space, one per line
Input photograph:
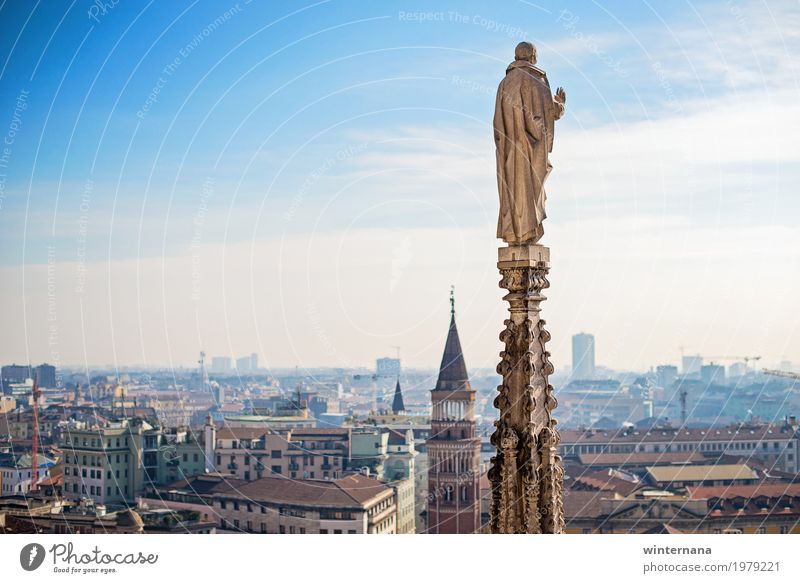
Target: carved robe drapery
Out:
[524,120]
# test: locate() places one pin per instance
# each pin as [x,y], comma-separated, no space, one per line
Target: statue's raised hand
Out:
[561,96]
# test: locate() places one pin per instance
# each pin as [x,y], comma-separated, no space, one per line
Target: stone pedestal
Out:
[526,474]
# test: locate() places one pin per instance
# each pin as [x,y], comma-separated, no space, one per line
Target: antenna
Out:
[453,300]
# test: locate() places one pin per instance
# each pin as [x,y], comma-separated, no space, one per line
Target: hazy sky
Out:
[306,181]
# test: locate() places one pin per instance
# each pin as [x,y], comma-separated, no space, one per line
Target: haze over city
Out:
[314,199]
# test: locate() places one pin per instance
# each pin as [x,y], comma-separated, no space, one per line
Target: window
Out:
[282,529]
[337,531]
[784,529]
[275,454]
[222,504]
[277,470]
[263,527]
[323,531]
[196,458]
[351,531]
[761,530]
[186,457]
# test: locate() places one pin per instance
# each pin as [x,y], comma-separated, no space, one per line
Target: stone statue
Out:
[524,119]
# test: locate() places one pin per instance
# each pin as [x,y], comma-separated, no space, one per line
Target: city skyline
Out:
[185,199]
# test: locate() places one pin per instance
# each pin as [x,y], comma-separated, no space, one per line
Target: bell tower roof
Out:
[397,403]
[453,370]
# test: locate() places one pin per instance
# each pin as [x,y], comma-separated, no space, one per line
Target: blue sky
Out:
[305,180]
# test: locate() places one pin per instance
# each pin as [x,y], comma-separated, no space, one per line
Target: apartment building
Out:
[112,464]
[774,444]
[355,504]
[302,453]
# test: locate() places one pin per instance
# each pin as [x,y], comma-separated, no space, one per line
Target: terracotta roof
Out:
[604,482]
[351,492]
[54,481]
[579,504]
[698,473]
[754,491]
[241,432]
[755,433]
[640,458]
[361,488]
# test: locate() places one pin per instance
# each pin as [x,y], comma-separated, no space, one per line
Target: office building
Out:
[666,374]
[712,374]
[220,364]
[583,356]
[692,364]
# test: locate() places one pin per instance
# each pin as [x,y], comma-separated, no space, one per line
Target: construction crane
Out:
[684,394]
[35,440]
[781,373]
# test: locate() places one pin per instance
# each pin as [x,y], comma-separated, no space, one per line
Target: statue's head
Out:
[525,51]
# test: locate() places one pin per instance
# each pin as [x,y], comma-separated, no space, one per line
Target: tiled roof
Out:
[755,433]
[578,504]
[604,482]
[299,432]
[640,458]
[355,491]
[771,490]
[699,473]
[241,432]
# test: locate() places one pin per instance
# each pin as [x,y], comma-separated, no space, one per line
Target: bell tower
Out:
[453,446]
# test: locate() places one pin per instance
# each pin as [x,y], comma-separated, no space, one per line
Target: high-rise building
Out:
[220,364]
[712,374]
[253,362]
[667,374]
[582,356]
[46,376]
[387,367]
[244,364]
[692,364]
[453,447]
[16,374]
[737,369]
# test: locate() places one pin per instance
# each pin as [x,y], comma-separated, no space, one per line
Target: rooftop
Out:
[701,473]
